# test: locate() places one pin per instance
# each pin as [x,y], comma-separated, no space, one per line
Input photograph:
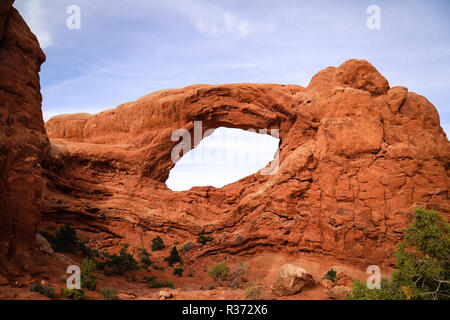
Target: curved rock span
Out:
[355,158]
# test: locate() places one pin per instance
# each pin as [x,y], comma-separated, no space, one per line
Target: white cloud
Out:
[214,21]
[36,16]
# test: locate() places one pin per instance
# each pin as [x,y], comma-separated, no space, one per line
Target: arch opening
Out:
[225,156]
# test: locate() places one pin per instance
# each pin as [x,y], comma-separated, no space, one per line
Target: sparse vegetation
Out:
[88,275]
[174,256]
[219,271]
[160,284]
[119,264]
[157,244]
[330,275]
[211,287]
[253,290]
[73,294]
[202,239]
[178,272]
[109,294]
[423,266]
[66,240]
[235,280]
[145,258]
[44,290]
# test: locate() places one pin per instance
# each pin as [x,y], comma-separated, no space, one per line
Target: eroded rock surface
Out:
[356,157]
[23,141]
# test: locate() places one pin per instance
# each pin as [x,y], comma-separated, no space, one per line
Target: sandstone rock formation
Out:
[23,141]
[291,280]
[355,158]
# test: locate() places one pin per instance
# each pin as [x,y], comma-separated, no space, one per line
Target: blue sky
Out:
[128,48]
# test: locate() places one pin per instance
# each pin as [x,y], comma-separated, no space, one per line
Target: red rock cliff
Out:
[356,157]
[23,141]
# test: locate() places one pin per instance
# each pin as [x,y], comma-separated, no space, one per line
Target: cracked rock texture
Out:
[23,141]
[356,157]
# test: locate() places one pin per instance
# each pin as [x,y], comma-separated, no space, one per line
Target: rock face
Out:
[23,141]
[291,280]
[356,157]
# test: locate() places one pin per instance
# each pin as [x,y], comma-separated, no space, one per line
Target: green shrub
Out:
[88,275]
[219,271]
[148,279]
[423,268]
[211,287]
[145,258]
[73,294]
[44,290]
[174,256]
[109,294]
[160,284]
[86,251]
[119,264]
[157,267]
[157,244]
[65,240]
[253,290]
[204,239]
[178,272]
[330,275]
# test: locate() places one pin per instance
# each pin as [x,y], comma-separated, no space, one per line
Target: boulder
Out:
[338,292]
[43,245]
[291,280]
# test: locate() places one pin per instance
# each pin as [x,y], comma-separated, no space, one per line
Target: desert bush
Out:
[211,287]
[235,280]
[88,275]
[148,279]
[219,271]
[145,258]
[423,268]
[157,244]
[330,275]
[119,264]
[65,240]
[44,290]
[253,290]
[160,284]
[73,294]
[174,256]
[204,239]
[109,294]
[178,272]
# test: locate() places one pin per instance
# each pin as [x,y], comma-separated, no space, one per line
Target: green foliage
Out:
[66,240]
[253,290]
[219,271]
[157,244]
[174,256]
[211,287]
[330,275]
[73,294]
[44,290]
[204,239]
[148,279]
[423,269]
[88,275]
[160,284]
[145,258]
[86,251]
[109,294]
[119,264]
[388,291]
[178,272]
